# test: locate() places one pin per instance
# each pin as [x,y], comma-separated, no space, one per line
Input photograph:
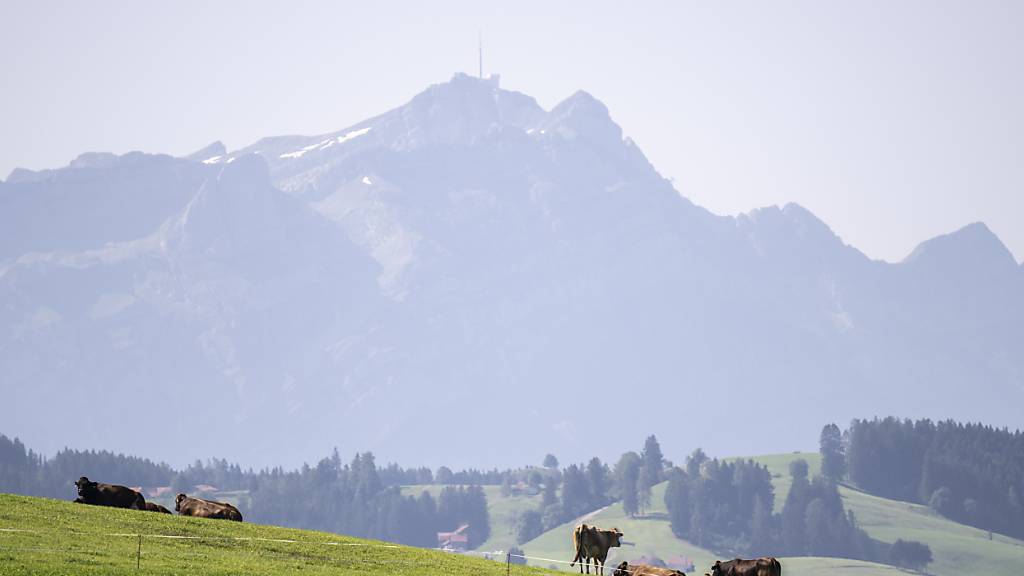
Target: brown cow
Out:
[766,566]
[153,507]
[188,506]
[592,543]
[627,569]
[100,494]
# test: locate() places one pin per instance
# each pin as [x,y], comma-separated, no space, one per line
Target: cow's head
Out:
[716,569]
[177,502]
[616,538]
[621,569]
[85,486]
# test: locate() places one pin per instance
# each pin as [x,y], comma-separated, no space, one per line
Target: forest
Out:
[970,473]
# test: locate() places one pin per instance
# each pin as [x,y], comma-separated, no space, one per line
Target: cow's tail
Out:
[577,543]
[776,567]
[140,502]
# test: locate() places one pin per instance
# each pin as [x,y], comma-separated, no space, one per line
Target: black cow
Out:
[100,494]
[154,507]
[766,566]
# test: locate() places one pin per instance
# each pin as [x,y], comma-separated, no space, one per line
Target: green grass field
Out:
[503,511]
[45,537]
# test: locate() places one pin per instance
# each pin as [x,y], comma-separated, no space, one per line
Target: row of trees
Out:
[728,506]
[22,471]
[357,498]
[721,505]
[971,473]
[352,499]
[580,488]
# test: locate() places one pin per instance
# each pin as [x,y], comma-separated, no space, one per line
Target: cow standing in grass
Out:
[188,506]
[100,494]
[592,543]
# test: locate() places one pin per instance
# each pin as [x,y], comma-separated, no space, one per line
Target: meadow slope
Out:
[957,549]
[46,537]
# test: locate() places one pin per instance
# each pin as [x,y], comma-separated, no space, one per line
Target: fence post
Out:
[508,563]
[138,555]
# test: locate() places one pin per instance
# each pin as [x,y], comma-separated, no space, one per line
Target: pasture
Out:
[48,537]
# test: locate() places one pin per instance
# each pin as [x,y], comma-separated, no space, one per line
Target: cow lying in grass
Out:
[100,494]
[153,507]
[627,569]
[188,506]
[766,566]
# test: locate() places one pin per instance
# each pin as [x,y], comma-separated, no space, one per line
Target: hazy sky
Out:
[892,121]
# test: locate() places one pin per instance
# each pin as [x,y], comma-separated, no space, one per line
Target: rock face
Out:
[470,280]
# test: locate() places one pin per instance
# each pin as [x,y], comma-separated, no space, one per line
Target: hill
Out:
[44,537]
[651,536]
[957,549]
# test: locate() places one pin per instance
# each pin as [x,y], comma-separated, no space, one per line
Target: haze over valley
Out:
[470,280]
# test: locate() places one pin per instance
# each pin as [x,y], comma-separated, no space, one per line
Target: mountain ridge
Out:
[467,247]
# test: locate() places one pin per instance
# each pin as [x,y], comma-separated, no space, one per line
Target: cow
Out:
[627,569]
[592,543]
[188,506]
[154,507]
[100,494]
[766,566]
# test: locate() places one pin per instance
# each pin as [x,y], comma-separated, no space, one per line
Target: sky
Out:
[892,121]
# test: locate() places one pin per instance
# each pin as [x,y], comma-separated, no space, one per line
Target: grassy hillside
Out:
[503,511]
[650,535]
[43,537]
[956,549]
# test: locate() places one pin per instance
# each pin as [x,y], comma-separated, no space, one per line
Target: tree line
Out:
[581,488]
[970,473]
[355,498]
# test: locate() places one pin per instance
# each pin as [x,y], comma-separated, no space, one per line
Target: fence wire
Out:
[132,546]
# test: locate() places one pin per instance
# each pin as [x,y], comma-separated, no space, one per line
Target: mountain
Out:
[468,279]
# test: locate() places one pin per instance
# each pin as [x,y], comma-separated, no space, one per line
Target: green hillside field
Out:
[957,549]
[651,535]
[45,537]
